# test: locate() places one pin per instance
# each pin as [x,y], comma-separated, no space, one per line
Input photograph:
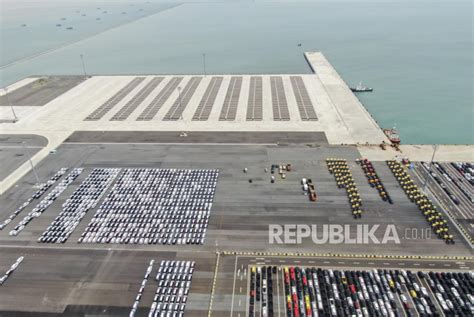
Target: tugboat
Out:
[392,135]
[361,88]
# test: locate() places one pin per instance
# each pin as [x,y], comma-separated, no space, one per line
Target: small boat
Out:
[69,28]
[23,25]
[97,18]
[63,19]
[392,135]
[361,88]
[58,24]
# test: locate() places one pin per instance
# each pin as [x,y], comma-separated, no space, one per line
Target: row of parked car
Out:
[155,206]
[440,181]
[312,292]
[11,270]
[344,179]
[261,291]
[454,291]
[43,188]
[174,282]
[142,288]
[468,174]
[456,180]
[84,198]
[47,201]
[434,217]
[374,180]
[466,169]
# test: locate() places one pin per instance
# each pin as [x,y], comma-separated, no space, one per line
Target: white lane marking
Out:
[233,287]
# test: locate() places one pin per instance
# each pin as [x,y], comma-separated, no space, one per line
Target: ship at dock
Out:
[361,88]
[392,135]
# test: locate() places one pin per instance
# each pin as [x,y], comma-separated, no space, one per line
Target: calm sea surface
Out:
[417,55]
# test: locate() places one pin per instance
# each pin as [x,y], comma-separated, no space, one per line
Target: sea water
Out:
[417,55]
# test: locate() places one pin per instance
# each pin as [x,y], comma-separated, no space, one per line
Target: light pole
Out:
[435,147]
[31,163]
[83,65]
[10,104]
[204,63]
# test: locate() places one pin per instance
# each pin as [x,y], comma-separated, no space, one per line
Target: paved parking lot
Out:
[63,280]
[462,212]
[41,91]
[95,278]
[13,152]
[242,211]
[234,277]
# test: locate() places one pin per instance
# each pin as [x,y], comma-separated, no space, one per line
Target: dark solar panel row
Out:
[279,103]
[130,106]
[255,103]
[114,100]
[150,112]
[305,106]
[231,101]
[176,110]
[205,106]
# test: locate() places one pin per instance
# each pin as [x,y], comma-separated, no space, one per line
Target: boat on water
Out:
[361,88]
[69,28]
[58,24]
[392,135]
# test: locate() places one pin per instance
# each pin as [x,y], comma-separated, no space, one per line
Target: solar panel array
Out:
[98,113]
[279,103]
[130,106]
[255,103]
[303,101]
[150,112]
[176,110]
[231,101]
[205,106]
